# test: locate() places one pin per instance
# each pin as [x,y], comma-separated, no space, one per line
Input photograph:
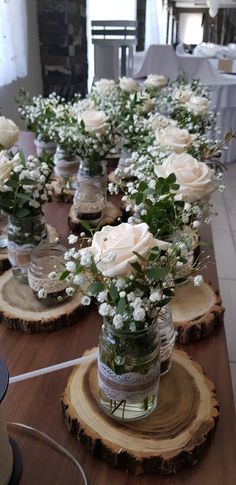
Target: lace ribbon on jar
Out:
[129,386]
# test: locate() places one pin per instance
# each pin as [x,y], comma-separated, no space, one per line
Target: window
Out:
[13,40]
[190,28]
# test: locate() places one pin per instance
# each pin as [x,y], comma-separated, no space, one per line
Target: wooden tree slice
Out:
[20,310]
[4,261]
[5,264]
[196,311]
[172,437]
[110,214]
[60,193]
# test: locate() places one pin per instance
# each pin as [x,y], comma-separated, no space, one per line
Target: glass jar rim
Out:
[35,257]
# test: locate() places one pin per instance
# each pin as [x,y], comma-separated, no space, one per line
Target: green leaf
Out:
[93,268]
[79,269]
[113,291]
[121,306]
[171,179]
[96,287]
[25,197]
[64,275]
[28,182]
[142,186]
[139,198]
[156,273]
[86,226]
[174,187]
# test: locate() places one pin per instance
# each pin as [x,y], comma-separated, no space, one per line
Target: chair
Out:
[114,42]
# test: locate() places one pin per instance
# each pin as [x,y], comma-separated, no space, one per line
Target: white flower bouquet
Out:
[126,270]
[129,274]
[24,184]
[40,113]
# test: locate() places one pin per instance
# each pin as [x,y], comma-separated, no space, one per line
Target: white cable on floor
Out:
[55,444]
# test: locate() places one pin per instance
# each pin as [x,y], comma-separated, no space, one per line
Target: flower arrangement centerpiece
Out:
[105,94]
[40,113]
[129,274]
[96,137]
[9,134]
[189,105]
[24,189]
[135,106]
[65,132]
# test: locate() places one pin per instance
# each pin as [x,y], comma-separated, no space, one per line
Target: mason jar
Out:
[3,229]
[47,263]
[129,371]
[42,147]
[23,235]
[168,336]
[91,194]
[66,168]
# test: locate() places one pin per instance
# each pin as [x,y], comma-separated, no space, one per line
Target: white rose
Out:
[155,81]
[6,166]
[9,132]
[121,240]
[160,122]
[198,105]
[195,178]
[128,84]
[178,139]
[94,121]
[103,86]
[182,95]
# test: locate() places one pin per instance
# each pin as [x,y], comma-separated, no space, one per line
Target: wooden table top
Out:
[36,402]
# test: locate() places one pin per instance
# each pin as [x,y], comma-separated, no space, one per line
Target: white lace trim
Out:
[130,386]
[47,284]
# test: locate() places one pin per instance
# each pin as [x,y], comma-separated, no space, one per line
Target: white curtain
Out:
[13,40]
[156,23]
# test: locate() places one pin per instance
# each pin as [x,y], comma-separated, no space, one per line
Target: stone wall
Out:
[63,46]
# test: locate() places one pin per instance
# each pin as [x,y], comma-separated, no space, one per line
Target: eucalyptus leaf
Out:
[156,273]
[96,287]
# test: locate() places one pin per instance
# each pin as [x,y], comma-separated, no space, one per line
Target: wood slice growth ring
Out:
[20,310]
[110,214]
[4,261]
[196,311]
[172,437]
